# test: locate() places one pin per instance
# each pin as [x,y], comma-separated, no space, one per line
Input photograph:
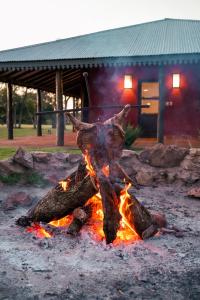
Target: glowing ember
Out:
[106,170]
[62,222]
[64,184]
[39,231]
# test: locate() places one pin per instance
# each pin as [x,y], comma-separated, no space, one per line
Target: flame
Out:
[39,231]
[106,170]
[64,184]
[89,166]
[61,222]
[126,233]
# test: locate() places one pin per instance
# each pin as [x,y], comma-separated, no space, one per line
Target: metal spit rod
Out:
[90,108]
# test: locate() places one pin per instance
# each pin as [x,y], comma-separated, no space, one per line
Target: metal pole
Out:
[91,108]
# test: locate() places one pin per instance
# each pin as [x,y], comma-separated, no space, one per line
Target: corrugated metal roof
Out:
[163,37]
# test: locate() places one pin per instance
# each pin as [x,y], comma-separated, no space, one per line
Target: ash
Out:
[63,267]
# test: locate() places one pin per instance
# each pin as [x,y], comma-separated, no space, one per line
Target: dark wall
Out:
[183,117]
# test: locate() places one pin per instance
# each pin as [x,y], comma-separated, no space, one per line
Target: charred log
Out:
[110,207]
[58,202]
[140,218]
[81,216]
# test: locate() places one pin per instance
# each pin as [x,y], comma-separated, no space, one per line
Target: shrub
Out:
[131,134]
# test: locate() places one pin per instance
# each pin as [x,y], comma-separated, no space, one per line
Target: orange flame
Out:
[61,222]
[89,166]
[64,184]
[106,170]
[39,231]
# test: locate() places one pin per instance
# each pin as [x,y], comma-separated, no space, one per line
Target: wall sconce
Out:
[128,81]
[176,80]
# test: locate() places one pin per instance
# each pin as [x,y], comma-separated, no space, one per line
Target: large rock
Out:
[23,158]
[163,156]
[194,192]
[130,162]
[15,200]
[146,177]
[8,167]
[41,157]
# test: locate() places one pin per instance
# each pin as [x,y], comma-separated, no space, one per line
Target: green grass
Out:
[8,152]
[28,130]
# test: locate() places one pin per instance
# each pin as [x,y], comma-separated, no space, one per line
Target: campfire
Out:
[99,194]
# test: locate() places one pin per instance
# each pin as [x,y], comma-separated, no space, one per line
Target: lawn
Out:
[6,153]
[28,130]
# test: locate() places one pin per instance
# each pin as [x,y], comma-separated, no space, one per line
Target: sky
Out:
[26,22]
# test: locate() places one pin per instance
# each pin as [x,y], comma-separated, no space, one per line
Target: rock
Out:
[194,192]
[130,162]
[61,156]
[145,177]
[8,168]
[41,157]
[74,158]
[23,158]
[163,156]
[17,199]
[53,179]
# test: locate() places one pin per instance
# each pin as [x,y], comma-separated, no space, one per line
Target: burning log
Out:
[60,201]
[81,216]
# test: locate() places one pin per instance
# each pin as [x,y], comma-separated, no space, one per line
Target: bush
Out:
[131,134]
[11,179]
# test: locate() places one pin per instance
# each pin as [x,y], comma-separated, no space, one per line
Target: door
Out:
[149,94]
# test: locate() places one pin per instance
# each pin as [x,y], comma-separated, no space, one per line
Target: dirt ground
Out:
[162,267]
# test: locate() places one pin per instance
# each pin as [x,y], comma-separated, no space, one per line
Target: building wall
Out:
[183,117]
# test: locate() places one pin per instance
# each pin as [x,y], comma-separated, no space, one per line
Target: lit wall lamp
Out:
[176,80]
[128,81]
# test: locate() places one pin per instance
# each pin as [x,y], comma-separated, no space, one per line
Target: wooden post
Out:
[162,95]
[9,111]
[39,109]
[59,105]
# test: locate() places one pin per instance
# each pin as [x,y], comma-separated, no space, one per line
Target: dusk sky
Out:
[25,22]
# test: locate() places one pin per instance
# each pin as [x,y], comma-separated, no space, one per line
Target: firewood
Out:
[58,203]
[110,207]
[140,218]
[81,216]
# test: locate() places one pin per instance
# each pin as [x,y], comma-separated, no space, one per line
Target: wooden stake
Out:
[9,111]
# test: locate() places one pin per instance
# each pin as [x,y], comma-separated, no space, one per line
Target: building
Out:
[155,63]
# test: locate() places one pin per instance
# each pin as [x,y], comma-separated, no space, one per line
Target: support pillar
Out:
[39,109]
[59,106]
[162,96]
[9,111]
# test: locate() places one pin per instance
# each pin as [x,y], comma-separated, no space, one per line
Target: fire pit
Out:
[98,190]
[72,253]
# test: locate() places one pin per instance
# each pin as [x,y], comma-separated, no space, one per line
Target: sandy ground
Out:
[163,267]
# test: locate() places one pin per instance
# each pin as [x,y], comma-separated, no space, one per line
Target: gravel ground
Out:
[163,267]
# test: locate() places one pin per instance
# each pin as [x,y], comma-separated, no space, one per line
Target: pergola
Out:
[58,66]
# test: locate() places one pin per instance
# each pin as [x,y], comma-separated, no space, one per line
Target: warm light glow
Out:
[64,184]
[88,164]
[39,231]
[128,82]
[176,80]
[126,232]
